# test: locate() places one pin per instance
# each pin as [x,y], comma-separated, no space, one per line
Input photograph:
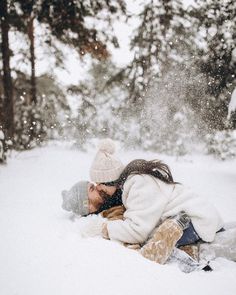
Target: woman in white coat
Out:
[150,196]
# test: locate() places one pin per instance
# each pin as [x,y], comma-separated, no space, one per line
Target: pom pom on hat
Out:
[105,166]
[107,146]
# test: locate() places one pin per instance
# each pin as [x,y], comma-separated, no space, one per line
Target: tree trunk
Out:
[32,59]
[33,94]
[8,108]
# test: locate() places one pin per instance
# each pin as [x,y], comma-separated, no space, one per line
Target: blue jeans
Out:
[189,236]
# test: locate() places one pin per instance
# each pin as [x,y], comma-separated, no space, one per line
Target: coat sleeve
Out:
[144,204]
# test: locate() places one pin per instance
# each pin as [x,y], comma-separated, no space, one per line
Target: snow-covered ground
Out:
[42,252]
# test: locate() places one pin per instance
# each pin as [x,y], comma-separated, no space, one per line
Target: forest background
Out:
[171,90]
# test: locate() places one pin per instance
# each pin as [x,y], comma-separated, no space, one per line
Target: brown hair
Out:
[154,167]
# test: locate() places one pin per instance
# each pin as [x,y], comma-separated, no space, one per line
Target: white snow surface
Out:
[42,250]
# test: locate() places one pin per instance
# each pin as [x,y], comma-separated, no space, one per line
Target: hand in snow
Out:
[91,226]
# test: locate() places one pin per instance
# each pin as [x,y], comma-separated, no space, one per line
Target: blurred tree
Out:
[7,112]
[156,43]
[94,115]
[162,41]
[73,23]
[215,25]
[199,42]
[50,112]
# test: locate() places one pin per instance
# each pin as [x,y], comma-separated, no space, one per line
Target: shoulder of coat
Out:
[139,179]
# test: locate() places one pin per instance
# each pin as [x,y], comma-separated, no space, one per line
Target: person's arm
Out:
[114,213]
[144,206]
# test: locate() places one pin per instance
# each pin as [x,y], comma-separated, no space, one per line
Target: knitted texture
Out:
[105,166]
[76,199]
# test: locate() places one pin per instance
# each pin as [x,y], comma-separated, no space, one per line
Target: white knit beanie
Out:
[105,166]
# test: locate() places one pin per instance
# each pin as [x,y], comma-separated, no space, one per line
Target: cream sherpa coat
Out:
[149,200]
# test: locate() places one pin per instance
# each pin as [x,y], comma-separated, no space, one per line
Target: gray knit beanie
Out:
[76,199]
[105,166]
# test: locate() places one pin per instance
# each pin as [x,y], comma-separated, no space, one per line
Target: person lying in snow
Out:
[189,257]
[150,196]
[160,247]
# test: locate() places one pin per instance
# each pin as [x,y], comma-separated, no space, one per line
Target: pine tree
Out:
[7,113]
[216,20]
[156,44]
[99,107]
[66,21]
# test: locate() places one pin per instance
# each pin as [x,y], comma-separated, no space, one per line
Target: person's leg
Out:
[224,245]
[117,212]
[192,250]
[159,247]
[189,236]
[189,242]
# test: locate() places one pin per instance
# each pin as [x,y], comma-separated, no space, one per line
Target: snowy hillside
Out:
[42,252]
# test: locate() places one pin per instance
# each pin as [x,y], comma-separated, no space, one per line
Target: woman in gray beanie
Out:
[78,199]
[85,198]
